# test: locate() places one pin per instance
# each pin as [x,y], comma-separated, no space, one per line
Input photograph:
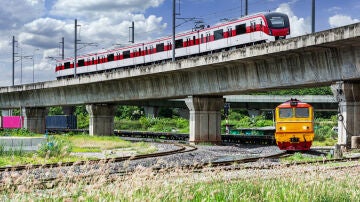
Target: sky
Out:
[39,25]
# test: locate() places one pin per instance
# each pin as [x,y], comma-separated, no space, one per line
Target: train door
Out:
[207,41]
[229,36]
[168,50]
[151,48]
[135,54]
[188,45]
[253,30]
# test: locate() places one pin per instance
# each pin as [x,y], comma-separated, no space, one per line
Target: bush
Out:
[126,124]
[324,132]
[16,132]
[54,147]
[83,121]
[153,124]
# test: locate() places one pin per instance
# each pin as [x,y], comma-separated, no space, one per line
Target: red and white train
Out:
[257,28]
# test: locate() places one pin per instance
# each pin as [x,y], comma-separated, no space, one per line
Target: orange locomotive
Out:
[294,125]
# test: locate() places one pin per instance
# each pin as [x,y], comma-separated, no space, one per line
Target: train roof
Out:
[180,34]
[293,103]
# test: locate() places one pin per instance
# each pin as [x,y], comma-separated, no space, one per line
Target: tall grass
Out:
[302,183]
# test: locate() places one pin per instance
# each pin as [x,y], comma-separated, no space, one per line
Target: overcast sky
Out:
[39,25]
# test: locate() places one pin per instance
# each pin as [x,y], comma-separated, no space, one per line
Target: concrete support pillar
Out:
[151,111]
[205,119]
[34,119]
[68,110]
[348,96]
[101,119]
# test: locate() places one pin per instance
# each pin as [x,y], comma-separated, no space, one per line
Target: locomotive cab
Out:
[279,25]
[294,125]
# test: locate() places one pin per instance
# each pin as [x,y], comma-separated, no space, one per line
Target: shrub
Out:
[54,147]
[16,132]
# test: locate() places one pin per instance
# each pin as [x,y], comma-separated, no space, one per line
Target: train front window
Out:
[277,22]
[285,112]
[301,112]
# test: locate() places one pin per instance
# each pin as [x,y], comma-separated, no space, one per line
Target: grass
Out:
[85,143]
[327,142]
[65,144]
[299,157]
[295,183]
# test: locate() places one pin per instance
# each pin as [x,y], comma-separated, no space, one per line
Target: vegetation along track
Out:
[182,149]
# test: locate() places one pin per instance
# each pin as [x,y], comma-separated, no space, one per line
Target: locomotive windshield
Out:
[299,112]
[302,112]
[277,20]
[285,112]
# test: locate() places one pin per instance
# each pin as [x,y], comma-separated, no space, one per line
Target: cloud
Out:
[93,9]
[341,20]
[39,24]
[14,13]
[298,26]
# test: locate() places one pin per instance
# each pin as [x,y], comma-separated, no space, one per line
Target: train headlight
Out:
[306,127]
[283,128]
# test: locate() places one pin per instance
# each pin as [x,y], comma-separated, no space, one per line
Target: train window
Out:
[277,22]
[81,63]
[67,65]
[179,43]
[301,112]
[285,112]
[194,40]
[126,54]
[160,47]
[202,38]
[218,34]
[110,57]
[240,29]
[146,50]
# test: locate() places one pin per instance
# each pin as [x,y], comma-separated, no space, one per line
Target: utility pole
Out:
[173,30]
[132,31]
[313,17]
[246,7]
[62,48]
[13,61]
[75,49]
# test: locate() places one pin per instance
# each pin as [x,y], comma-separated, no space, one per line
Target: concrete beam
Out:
[34,119]
[101,119]
[205,119]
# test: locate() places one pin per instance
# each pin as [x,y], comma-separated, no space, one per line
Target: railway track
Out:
[234,164]
[243,139]
[181,149]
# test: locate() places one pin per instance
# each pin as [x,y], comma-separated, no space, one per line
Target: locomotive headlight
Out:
[305,127]
[283,128]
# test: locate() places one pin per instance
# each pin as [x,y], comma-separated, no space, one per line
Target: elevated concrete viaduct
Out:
[318,59]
